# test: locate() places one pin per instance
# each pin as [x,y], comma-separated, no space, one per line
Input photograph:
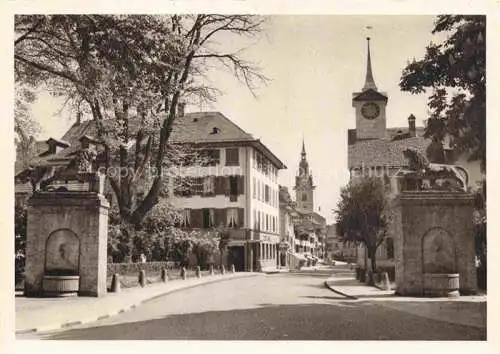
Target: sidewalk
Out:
[464,310]
[45,314]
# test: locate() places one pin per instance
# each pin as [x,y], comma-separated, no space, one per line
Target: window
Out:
[233,188]
[304,197]
[232,217]
[267,194]
[254,189]
[210,157]
[209,185]
[232,157]
[255,221]
[196,185]
[186,218]
[267,222]
[208,218]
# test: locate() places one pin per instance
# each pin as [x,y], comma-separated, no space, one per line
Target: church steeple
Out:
[303,165]
[369,81]
[304,187]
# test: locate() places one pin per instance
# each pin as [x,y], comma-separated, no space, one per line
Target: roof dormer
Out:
[87,141]
[56,146]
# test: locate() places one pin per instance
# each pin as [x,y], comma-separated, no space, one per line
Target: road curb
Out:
[67,325]
[328,286]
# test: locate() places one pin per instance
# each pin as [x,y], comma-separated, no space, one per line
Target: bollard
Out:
[222,270]
[183,273]
[164,275]
[370,280]
[142,278]
[115,283]
[386,283]
[362,275]
[198,272]
[211,269]
[232,268]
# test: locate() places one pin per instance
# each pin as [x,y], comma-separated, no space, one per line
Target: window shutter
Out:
[196,218]
[220,217]
[219,187]
[227,185]
[241,185]
[241,217]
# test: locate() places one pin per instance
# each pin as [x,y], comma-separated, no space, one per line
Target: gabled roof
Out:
[383,152]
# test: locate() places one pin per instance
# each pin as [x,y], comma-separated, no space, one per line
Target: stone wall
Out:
[422,213]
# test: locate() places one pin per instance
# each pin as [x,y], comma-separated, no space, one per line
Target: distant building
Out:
[310,225]
[336,248]
[288,215]
[375,150]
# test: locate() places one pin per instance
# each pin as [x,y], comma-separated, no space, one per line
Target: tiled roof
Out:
[369,95]
[192,127]
[199,128]
[391,133]
[383,152]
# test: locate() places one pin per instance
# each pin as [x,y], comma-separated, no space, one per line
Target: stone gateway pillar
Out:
[66,248]
[434,243]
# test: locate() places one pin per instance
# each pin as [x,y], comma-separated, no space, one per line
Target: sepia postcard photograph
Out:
[236,176]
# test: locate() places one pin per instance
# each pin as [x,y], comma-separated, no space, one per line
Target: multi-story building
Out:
[238,191]
[375,150]
[288,215]
[310,225]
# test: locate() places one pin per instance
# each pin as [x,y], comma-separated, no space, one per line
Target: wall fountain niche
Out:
[62,258]
[66,248]
[439,265]
[433,228]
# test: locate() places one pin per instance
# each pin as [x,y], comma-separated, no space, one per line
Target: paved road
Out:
[273,307]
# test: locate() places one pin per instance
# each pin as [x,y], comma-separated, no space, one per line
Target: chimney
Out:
[78,118]
[180,109]
[411,126]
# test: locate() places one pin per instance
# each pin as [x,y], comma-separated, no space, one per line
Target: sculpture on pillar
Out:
[424,175]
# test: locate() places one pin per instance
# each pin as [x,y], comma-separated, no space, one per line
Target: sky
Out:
[314,64]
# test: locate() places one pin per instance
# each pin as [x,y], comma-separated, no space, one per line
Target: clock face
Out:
[370,110]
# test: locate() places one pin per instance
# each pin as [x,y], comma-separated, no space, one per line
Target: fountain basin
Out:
[441,285]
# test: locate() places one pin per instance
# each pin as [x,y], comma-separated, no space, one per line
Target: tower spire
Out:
[369,82]
[303,153]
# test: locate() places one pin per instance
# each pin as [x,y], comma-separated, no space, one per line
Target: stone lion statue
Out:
[434,175]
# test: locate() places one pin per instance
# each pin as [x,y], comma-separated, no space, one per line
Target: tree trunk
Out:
[372,252]
[129,230]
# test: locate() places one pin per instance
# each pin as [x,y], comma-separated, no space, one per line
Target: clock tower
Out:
[304,187]
[370,106]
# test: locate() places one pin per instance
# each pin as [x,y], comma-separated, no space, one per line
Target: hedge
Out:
[129,268]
